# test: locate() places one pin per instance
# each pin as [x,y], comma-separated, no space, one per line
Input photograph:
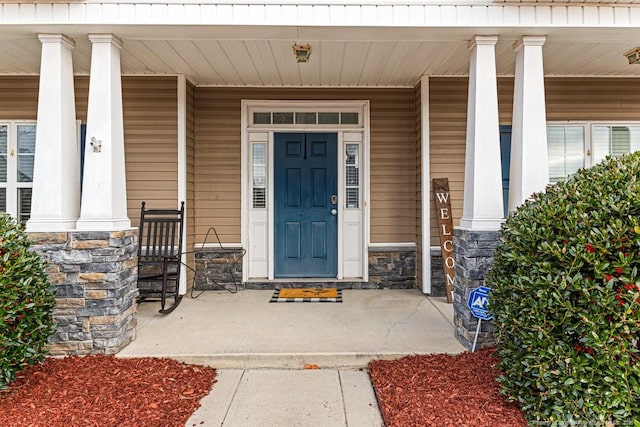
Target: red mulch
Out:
[105,391]
[442,390]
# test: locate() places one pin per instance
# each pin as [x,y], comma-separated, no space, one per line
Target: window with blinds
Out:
[3,167]
[566,145]
[259,175]
[352,180]
[614,140]
[17,153]
[566,150]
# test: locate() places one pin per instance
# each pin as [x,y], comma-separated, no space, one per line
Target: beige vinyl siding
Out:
[18,98]
[393,162]
[393,168]
[151,142]
[418,123]
[601,99]
[447,139]
[191,140]
[217,164]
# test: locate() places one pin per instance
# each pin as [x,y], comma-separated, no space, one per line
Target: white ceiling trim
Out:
[301,14]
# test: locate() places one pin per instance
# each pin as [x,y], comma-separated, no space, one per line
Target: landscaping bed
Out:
[105,391]
[443,390]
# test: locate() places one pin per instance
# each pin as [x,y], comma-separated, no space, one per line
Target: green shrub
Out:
[26,302]
[566,299]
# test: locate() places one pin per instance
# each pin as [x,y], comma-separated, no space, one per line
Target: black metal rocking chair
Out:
[159,255]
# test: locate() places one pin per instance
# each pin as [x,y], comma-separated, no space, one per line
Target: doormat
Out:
[307,295]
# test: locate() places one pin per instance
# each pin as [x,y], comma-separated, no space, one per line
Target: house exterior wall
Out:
[392,164]
[151,149]
[567,98]
[19,98]
[448,127]
[150,130]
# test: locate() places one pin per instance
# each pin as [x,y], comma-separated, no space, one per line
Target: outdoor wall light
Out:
[96,144]
[633,56]
[302,52]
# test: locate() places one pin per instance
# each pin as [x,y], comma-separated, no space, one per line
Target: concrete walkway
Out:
[309,398]
[259,350]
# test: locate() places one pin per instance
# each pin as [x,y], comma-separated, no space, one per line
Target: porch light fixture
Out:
[633,56]
[302,52]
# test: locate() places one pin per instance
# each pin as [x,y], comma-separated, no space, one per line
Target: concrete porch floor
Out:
[245,331]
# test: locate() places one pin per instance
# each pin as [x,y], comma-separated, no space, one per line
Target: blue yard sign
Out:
[478,301]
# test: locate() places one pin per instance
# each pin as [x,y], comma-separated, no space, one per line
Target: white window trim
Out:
[250,106]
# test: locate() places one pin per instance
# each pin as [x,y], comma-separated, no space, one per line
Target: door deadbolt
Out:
[334,199]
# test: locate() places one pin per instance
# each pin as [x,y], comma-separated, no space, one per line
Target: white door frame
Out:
[259,267]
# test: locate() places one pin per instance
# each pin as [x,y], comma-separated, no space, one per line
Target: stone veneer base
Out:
[438,288]
[94,274]
[389,268]
[473,255]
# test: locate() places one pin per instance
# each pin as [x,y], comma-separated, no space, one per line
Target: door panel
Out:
[305,178]
[292,239]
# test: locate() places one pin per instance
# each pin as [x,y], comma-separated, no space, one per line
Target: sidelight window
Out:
[259,175]
[352,174]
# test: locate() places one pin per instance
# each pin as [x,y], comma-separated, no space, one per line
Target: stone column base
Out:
[473,255]
[95,276]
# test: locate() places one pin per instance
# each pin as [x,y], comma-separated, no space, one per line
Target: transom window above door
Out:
[306,118]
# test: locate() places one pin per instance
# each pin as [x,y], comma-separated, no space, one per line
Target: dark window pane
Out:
[282,118]
[352,198]
[26,139]
[349,118]
[261,118]
[328,118]
[259,198]
[24,204]
[3,199]
[3,154]
[306,118]
[26,149]
[25,167]
[3,168]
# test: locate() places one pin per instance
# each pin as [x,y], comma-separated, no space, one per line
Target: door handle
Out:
[334,212]
[334,199]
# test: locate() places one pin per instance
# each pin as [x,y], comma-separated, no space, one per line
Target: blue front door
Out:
[305,181]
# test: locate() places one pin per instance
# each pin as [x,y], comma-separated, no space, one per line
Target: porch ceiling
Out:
[340,56]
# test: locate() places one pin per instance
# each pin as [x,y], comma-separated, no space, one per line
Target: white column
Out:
[104,192]
[425,185]
[483,209]
[55,204]
[529,169]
